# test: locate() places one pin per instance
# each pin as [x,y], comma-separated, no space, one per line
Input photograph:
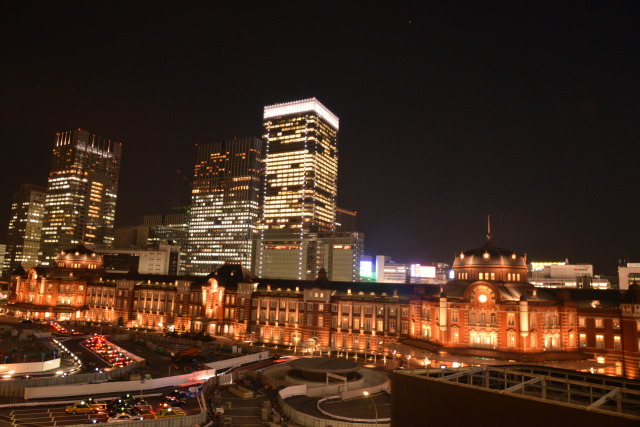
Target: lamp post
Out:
[375,408]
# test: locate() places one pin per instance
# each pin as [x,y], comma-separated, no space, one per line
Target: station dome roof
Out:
[79,257]
[489,256]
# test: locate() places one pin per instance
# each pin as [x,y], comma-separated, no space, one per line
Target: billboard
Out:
[423,271]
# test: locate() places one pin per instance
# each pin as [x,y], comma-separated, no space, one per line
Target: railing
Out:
[382,421]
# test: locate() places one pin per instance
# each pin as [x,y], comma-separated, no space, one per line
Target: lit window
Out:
[583,340]
[617,342]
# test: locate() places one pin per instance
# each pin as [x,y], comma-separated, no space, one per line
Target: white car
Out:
[123,417]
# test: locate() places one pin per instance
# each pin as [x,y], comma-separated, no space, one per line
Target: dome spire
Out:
[488,228]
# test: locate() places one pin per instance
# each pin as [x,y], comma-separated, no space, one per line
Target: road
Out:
[50,413]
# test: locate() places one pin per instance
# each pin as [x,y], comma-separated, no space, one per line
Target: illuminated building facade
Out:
[25,228]
[561,275]
[300,186]
[628,274]
[283,255]
[166,233]
[168,228]
[488,310]
[164,259]
[81,193]
[301,166]
[225,204]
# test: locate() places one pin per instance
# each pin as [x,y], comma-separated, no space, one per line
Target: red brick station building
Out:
[488,310]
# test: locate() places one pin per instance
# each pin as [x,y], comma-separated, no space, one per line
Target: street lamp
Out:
[375,408]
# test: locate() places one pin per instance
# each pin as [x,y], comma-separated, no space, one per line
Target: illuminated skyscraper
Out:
[81,194]
[300,186]
[225,204]
[301,166]
[25,228]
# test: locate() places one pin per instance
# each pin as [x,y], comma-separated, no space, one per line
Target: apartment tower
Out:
[81,195]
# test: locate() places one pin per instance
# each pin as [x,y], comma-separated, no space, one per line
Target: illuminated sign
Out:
[366,269]
[424,271]
[539,266]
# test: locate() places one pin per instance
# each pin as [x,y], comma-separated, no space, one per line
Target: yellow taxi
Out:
[170,412]
[81,408]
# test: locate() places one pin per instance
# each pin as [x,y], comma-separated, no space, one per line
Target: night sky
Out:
[529,113]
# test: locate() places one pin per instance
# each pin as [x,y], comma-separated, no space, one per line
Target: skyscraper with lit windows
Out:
[24,233]
[225,204]
[300,186]
[81,194]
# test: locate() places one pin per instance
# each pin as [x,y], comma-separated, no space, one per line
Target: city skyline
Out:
[520,113]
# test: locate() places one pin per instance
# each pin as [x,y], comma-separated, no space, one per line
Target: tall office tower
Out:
[301,166]
[300,186]
[81,195]
[225,204]
[25,228]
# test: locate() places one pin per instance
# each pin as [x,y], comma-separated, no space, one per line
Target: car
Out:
[170,412]
[124,417]
[122,408]
[173,402]
[26,321]
[81,408]
[177,394]
[98,404]
[141,404]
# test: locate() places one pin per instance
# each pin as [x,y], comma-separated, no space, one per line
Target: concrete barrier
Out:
[19,368]
[237,361]
[114,387]
[16,388]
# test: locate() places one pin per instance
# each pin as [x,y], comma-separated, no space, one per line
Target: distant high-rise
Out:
[346,220]
[25,228]
[81,194]
[300,187]
[225,204]
[301,166]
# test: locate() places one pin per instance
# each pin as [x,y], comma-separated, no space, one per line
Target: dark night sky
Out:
[529,113]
